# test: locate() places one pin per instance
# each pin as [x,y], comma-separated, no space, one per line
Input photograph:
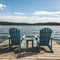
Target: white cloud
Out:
[18,13]
[29,19]
[47,13]
[34,18]
[13,18]
[2,6]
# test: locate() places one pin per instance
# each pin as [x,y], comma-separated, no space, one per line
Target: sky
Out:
[30,11]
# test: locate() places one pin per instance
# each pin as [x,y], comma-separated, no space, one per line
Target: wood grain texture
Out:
[32,54]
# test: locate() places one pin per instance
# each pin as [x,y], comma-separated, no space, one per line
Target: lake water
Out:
[29,30]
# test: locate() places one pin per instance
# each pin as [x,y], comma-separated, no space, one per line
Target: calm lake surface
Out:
[29,30]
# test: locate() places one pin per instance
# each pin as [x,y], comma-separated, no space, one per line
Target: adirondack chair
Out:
[15,39]
[45,39]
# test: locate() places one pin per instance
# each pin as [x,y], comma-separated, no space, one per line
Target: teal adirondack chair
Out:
[45,39]
[15,39]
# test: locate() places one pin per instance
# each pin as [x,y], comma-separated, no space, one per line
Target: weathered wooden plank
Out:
[33,55]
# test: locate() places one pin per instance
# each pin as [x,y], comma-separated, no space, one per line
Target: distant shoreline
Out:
[11,23]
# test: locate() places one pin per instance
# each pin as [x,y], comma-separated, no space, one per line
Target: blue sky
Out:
[30,10]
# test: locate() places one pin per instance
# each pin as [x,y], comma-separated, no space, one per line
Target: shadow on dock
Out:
[14,50]
[45,53]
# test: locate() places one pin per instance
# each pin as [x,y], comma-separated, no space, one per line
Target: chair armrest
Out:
[9,37]
[36,37]
[52,38]
[22,38]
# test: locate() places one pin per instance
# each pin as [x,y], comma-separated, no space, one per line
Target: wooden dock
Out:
[32,54]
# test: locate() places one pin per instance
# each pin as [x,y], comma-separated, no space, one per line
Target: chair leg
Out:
[26,45]
[39,48]
[20,46]
[19,50]
[9,48]
[50,47]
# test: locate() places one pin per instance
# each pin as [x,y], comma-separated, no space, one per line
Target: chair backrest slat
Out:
[15,35]
[45,35]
